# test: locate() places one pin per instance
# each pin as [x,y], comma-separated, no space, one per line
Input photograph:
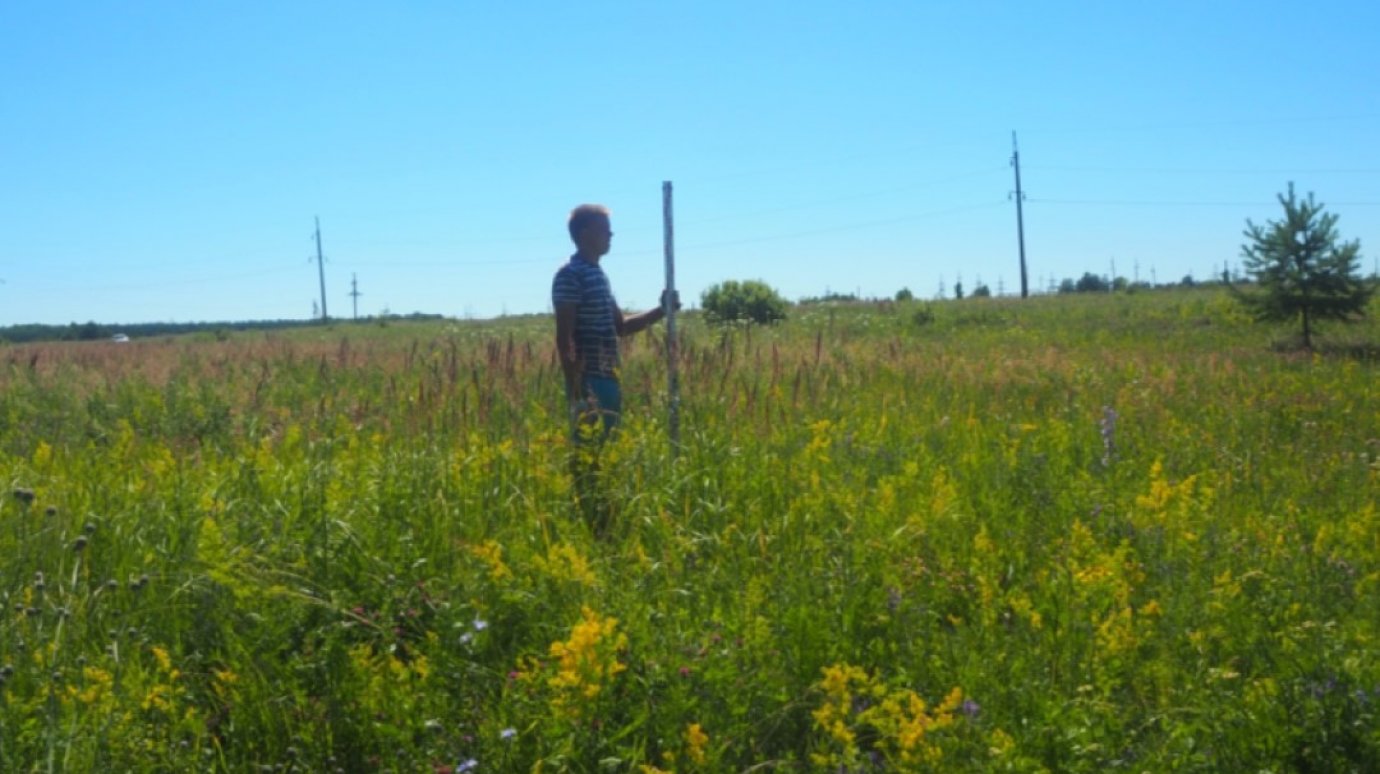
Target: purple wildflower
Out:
[1108,428]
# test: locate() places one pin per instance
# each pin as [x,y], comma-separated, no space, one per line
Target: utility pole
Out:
[355,294]
[1020,219]
[321,266]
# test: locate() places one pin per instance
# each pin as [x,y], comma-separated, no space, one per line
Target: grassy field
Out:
[1076,534]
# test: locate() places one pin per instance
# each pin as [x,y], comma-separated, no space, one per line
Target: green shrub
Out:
[748,301]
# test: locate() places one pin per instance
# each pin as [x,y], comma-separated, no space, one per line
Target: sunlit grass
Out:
[1072,534]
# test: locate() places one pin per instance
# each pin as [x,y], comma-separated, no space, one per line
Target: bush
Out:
[1091,283]
[748,301]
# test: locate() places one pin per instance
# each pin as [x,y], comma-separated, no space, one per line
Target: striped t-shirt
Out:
[584,284]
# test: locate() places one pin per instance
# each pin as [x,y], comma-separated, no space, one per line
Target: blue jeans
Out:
[594,413]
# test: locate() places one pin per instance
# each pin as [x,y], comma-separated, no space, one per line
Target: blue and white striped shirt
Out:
[584,284]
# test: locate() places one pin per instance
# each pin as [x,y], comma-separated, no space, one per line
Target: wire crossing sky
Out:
[165,161]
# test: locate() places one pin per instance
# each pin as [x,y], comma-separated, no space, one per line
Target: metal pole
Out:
[673,383]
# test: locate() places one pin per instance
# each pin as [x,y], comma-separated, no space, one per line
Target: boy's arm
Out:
[627,326]
[565,347]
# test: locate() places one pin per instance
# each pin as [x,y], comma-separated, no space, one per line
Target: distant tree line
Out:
[829,297]
[93,331]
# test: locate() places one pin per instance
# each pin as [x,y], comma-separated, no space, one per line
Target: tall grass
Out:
[1065,534]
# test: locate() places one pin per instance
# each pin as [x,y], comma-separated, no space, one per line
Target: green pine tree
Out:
[1302,270]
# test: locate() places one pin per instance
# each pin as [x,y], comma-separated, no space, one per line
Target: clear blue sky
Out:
[164,161]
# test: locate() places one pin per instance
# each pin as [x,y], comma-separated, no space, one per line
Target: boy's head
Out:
[589,228]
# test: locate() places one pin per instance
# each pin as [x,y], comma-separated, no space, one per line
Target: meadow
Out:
[1076,534]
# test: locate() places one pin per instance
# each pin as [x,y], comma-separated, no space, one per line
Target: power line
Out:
[1201,170]
[164,284]
[452,264]
[1240,122]
[851,197]
[1154,203]
[470,243]
[816,162]
[736,215]
[843,227]
[703,245]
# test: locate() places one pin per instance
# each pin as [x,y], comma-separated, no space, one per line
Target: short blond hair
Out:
[581,217]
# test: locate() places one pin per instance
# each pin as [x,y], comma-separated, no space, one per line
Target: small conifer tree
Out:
[1303,272]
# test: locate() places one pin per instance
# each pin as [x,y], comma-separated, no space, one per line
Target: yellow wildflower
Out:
[1000,743]
[158,697]
[491,553]
[588,659]
[97,684]
[164,662]
[695,740]
[565,562]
